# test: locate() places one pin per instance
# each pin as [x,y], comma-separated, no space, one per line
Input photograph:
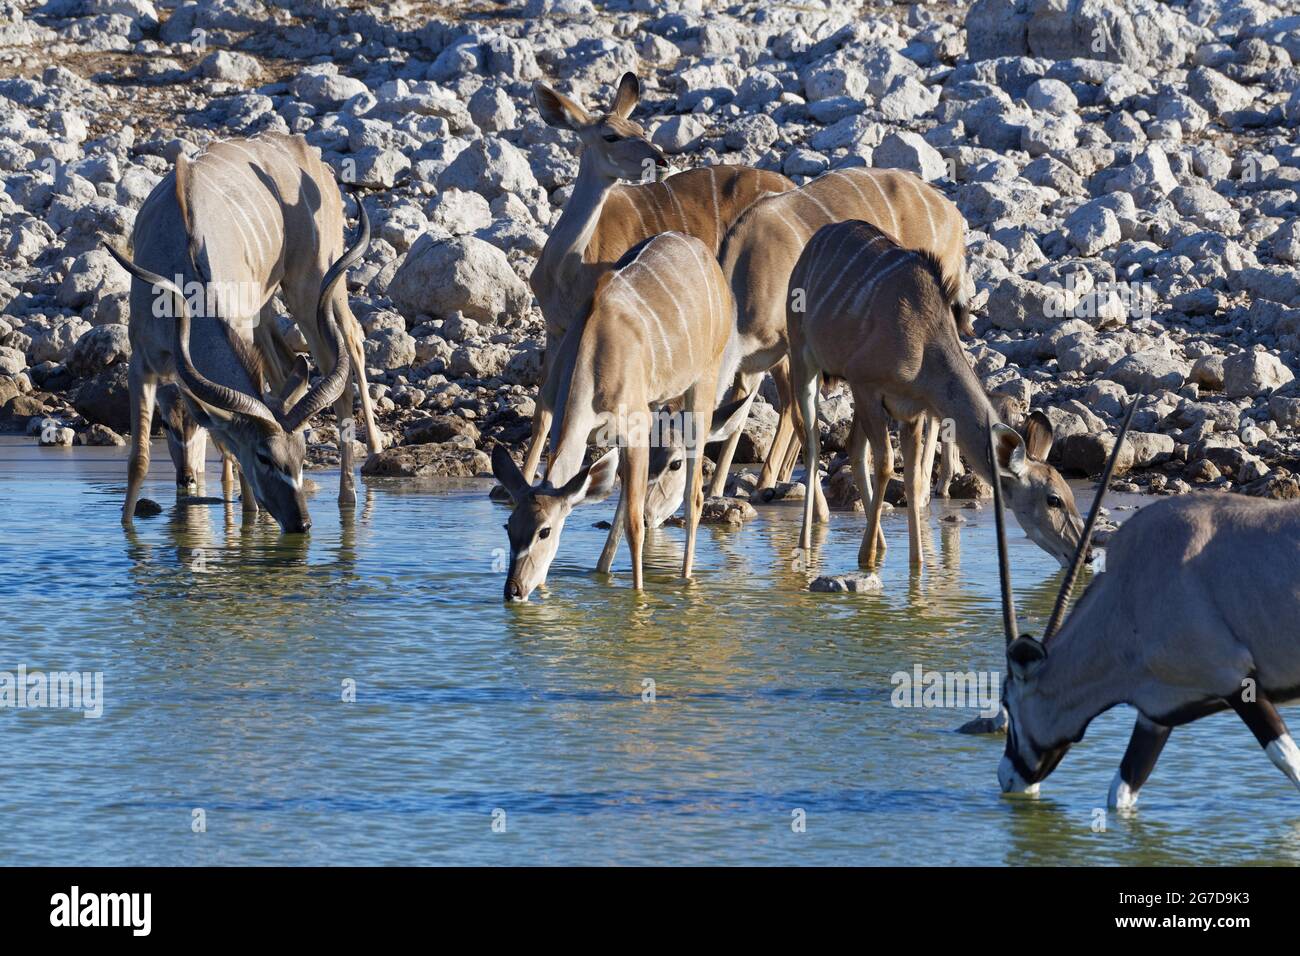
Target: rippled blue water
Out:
[225,650]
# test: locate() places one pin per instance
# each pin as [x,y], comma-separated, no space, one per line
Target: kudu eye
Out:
[1054,501]
[544,533]
[611,137]
[676,465]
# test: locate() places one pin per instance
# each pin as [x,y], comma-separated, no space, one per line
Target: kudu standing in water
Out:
[243,219]
[604,218]
[864,309]
[659,325]
[760,252]
[1194,614]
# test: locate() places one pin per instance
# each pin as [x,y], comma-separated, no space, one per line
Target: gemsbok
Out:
[1194,614]
[604,218]
[760,251]
[866,310]
[659,325]
[212,244]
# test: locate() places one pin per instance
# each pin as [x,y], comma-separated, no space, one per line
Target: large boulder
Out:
[457,458]
[460,274]
[106,398]
[1248,374]
[99,348]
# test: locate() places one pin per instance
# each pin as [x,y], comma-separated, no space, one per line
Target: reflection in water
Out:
[229,653]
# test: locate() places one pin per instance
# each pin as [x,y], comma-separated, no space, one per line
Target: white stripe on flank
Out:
[672,294]
[648,313]
[830,216]
[921,190]
[852,181]
[798,234]
[231,198]
[873,285]
[705,277]
[825,258]
[864,248]
[890,206]
[636,208]
[686,226]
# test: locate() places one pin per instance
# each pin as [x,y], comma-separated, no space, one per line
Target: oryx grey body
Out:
[242,219]
[659,323]
[880,317]
[1195,613]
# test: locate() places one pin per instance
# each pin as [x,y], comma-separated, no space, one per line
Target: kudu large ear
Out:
[1013,457]
[557,109]
[727,418]
[1024,657]
[593,482]
[508,473]
[1038,435]
[295,386]
[629,93]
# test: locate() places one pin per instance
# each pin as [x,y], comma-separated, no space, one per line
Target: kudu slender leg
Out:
[807,388]
[635,480]
[746,386]
[815,494]
[950,465]
[610,550]
[143,389]
[912,437]
[873,418]
[860,458]
[777,454]
[1144,747]
[699,401]
[543,412]
[247,499]
[791,455]
[352,338]
[1270,730]
[929,451]
[227,476]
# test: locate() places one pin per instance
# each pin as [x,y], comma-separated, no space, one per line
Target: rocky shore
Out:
[1129,171]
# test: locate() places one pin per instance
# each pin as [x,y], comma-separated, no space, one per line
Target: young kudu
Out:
[760,252]
[864,309]
[604,218]
[225,230]
[659,324]
[1194,614]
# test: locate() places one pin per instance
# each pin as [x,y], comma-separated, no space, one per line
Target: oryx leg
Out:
[1144,746]
[876,427]
[912,440]
[1270,730]
[636,477]
[610,551]
[143,388]
[746,387]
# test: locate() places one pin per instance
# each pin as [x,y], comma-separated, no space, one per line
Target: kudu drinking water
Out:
[212,243]
[760,252]
[864,309]
[1194,614]
[604,218]
[659,324]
